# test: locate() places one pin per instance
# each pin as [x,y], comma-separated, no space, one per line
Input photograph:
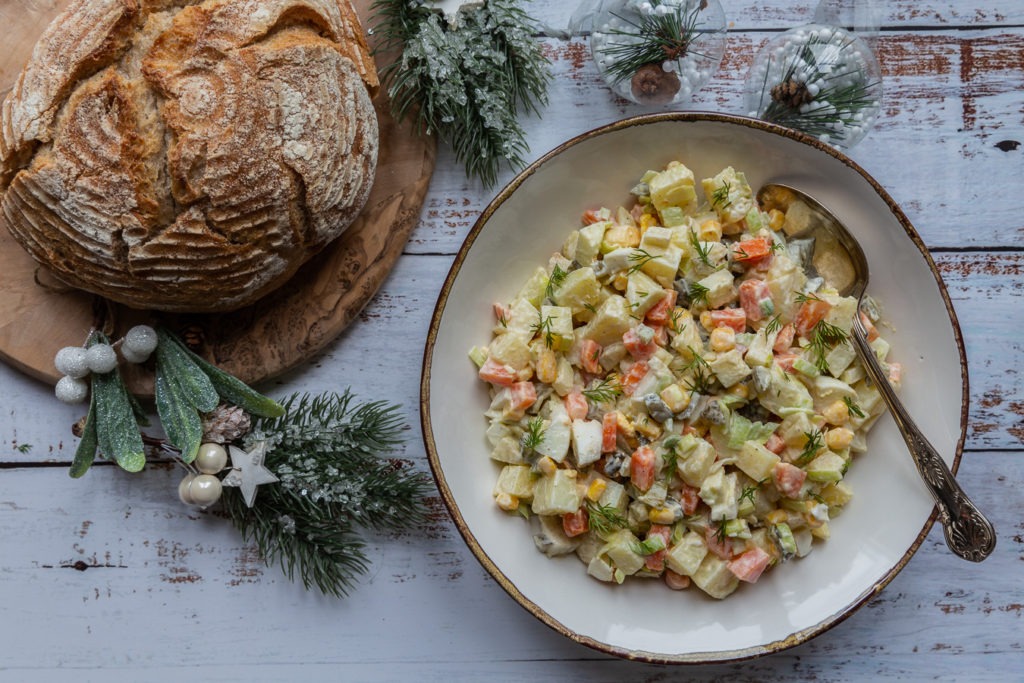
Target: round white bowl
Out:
[892,510]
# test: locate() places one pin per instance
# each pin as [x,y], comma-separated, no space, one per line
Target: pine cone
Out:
[225,424]
[791,94]
[653,85]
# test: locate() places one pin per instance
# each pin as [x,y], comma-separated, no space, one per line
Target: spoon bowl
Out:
[838,259]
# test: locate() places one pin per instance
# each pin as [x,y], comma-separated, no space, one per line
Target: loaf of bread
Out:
[179,155]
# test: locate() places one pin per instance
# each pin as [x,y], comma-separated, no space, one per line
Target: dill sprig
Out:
[464,81]
[814,444]
[774,325]
[543,328]
[824,336]
[701,249]
[326,452]
[720,196]
[604,519]
[698,293]
[606,390]
[534,434]
[701,380]
[639,258]
[555,281]
[652,39]
[854,409]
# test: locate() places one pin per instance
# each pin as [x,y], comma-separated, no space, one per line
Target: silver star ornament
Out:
[247,470]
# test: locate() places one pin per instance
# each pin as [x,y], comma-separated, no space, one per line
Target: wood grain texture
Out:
[256,342]
[109,579]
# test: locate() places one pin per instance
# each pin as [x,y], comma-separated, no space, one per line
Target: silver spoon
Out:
[839,259]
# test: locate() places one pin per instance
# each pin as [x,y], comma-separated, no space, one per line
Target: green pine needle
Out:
[326,452]
[465,82]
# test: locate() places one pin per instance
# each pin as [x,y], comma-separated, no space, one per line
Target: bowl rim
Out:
[503,195]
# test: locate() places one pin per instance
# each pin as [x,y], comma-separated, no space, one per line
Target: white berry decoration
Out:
[71,389]
[133,356]
[183,489]
[140,341]
[101,358]
[204,490]
[71,361]
[211,458]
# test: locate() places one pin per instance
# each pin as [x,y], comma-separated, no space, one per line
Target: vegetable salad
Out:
[673,395]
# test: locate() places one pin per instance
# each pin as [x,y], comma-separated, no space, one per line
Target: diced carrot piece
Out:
[660,335]
[784,340]
[753,295]
[524,395]
[786,360]
[659,313]
[871,332]
[789,479]
[736,318]
[776,444]
[750,565]
[609,432]
[810,314]
[590,216]
[637,371]
[656,561]
[497,373]
[676,582]
[590,356]
[749,251]
[575,523]
[722,547]
[636,346]
[641,468]
[576,406]
[689,498]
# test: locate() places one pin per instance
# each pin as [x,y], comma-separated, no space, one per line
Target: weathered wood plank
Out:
[948,146]
[118,573]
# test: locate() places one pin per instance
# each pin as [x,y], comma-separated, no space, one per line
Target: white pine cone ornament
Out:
[225,424]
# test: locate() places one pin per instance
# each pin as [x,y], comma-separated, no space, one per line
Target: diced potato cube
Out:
[620,550]
[729,195]
[565,378]
[522,320]
[756,461]
[601,569]
[673,187]
[720,288]
[655,239]
[588,244]
[687,340]
[686,556]
[730,368]
[515,480]
[550,537]
[610,322]
[511,350]
[556,494]
[580,291]
[839,358]
[714,578]
[664,266]
[555,327]
[719,491]
[697,457]
[642,293]
[826,467]
[533,290]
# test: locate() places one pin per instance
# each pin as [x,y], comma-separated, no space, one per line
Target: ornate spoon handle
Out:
[968,533]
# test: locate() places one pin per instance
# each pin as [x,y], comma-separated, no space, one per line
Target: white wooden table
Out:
[111,579]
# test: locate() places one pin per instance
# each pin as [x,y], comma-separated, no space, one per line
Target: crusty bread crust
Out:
[189,156]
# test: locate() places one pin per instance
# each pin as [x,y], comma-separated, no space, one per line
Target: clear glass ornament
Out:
[658,52]
[821,80]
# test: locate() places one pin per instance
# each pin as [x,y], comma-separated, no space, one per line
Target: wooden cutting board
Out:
[38,316]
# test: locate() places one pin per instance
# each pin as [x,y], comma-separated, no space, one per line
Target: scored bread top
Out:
[189,156]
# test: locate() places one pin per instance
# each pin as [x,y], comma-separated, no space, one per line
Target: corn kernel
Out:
[620,282]
[646,221]
[838,413]
[705,320]
[662,516]
[710,231]
[623,235]
[777,516]
[547,465]
[507,502]
[740,390]
[723,339]
[624,426]
[547,366]
[838,439]
[596,489]
[675,397]
[776,219]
